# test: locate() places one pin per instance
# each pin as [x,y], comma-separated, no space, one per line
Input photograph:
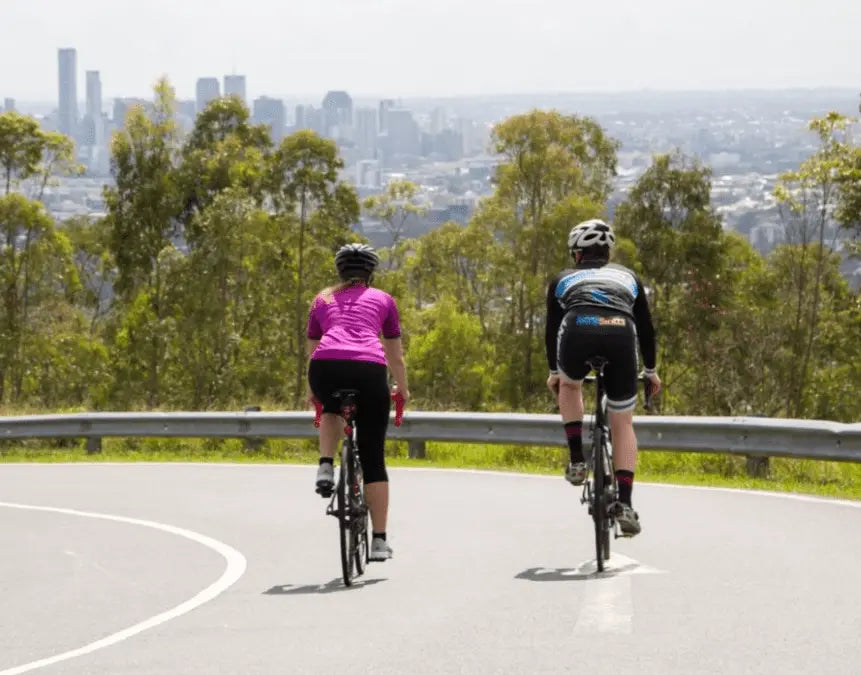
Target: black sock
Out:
[574,434]
[380,535]
[327,460]
[625,482]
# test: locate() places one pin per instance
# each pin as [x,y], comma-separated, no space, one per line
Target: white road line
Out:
[607,606]
[607,603]
[236,565]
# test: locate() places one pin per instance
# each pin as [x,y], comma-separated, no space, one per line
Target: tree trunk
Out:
[299,327]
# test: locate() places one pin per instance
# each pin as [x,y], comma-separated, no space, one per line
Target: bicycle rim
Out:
[344,522]
[608,496]
[359,520]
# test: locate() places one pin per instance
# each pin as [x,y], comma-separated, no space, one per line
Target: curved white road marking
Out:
[236,565]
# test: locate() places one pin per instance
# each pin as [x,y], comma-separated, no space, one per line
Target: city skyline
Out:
[378,48]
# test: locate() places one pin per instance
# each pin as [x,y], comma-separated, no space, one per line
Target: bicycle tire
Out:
[598,512]
[359,518]
[608,490]
[344,524]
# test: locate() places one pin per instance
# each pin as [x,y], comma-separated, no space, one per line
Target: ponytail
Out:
[328,294]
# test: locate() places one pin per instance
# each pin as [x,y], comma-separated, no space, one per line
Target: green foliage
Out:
[193,292]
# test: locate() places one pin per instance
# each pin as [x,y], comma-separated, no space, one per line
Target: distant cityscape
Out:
[747,137]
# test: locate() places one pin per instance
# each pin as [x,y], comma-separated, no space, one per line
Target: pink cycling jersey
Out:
[349,326]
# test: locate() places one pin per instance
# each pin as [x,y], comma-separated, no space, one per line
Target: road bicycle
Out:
[348,503]
[600,491]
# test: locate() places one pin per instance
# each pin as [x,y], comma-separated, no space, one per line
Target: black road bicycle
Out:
[348,503]
[600,492]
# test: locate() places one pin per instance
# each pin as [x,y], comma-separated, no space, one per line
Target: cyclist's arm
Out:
[554,320]
[394,347]
[394,350]
[645,329]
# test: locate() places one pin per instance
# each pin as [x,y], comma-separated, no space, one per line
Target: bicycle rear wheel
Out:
[358,518]
[344,519]
[606,497]
[598,507]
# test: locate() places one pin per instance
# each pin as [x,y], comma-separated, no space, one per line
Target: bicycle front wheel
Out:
[358,518]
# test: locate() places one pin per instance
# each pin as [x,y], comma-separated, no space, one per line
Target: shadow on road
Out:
[582,573]
[334,586]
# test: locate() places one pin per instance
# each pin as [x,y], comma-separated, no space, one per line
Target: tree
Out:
[224,150]
[393,208]
[681,256]
[305,190]
[808,199]
[142,207]
[36,273]
[28,152]
[555,170]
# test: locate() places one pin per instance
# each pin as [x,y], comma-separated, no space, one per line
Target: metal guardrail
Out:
[749,436]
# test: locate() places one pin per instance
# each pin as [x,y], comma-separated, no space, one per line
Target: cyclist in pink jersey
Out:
[344,329]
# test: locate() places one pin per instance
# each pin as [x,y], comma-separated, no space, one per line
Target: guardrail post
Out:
[94,445]
[254,442]
[757,466]
[417,449]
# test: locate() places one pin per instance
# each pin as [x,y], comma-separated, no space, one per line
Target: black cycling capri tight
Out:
[327,376]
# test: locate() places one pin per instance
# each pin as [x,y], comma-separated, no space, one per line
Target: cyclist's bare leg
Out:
[570,401]
[331,432]
[624,440]
[377,496]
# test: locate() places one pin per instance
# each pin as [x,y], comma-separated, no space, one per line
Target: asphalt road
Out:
[235,569]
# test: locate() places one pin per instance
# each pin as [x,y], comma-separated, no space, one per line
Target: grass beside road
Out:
[833,479]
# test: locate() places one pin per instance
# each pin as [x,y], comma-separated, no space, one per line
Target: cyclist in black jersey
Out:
[598,308]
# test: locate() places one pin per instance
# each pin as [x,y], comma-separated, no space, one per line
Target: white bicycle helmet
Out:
[590,233]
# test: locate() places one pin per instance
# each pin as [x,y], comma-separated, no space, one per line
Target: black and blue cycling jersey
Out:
[596,292]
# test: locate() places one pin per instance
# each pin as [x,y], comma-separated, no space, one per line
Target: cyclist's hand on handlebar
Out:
[404,393]
[655,383]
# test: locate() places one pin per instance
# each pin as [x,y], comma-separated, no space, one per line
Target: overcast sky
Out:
[443,47]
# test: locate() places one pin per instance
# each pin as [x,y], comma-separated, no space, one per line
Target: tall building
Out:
[234,85]
[366,132]
[299,115]
[337,114]
[385,105]
[368,173]
[438,121]
[403,132]
[93,128]
[208,90]
[121,109]
[67,122]
[9,104]
[271,112]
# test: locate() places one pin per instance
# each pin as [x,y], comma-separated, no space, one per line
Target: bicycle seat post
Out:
[347,397]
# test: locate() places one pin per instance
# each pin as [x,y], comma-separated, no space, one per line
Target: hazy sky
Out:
[441,47]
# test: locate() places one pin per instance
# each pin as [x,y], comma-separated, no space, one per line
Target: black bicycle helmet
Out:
[356,261]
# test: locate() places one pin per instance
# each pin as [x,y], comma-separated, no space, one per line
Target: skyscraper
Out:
[234,85]
[208,90]
[366,132]
[93,124]
[338,113]
[403,132]
[9,104]
[68,109]
[385,105]
[271,112]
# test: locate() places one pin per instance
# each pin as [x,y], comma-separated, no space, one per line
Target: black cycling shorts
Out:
[585,333]
[326,376]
